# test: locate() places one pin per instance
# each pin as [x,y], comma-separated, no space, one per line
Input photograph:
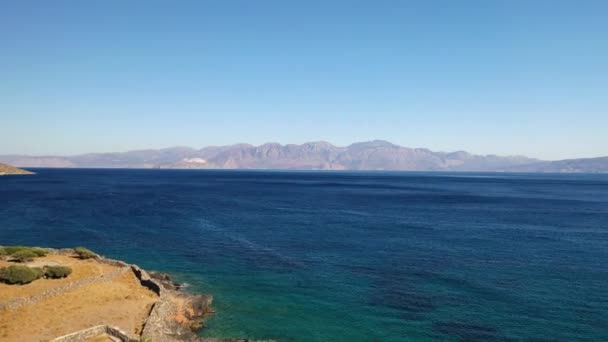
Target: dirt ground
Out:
[121,302]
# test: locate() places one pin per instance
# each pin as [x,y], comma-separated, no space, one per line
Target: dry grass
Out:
[121,302]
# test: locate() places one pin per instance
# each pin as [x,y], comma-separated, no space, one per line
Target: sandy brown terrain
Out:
[118,300]
[10,170]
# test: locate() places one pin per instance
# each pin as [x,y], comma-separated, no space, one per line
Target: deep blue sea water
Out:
[338,256]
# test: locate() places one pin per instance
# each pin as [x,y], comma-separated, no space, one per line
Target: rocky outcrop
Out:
[177,315]
[165,279]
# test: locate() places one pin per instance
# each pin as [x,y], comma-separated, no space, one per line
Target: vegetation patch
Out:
[84,253]
[39,251]
[22,251]
[24,255]
[19,274]
[14,249]
[55,272]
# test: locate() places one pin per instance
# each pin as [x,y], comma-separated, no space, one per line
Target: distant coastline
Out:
[377,155]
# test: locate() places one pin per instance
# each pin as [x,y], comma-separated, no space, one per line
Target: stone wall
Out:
[113,262]
[146,281]
[93,332]
[143,276]
[18,302]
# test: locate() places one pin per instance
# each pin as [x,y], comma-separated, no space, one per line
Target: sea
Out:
[344,256]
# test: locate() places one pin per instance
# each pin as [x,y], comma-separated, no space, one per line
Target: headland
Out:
[11,170]
[66,295]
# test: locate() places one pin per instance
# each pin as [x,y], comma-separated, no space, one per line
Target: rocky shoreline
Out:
[178,315]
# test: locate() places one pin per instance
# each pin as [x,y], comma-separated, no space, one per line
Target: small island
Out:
[67,295]
[11,170]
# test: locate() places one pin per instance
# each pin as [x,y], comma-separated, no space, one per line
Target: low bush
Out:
[19,274]
[84,253]
[55,272]
[24,255]
[11,250]
[40,251]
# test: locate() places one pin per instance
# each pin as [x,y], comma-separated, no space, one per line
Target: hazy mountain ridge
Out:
[320,155]
[582,165]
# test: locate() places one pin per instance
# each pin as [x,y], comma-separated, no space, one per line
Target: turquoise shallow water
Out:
[332,256]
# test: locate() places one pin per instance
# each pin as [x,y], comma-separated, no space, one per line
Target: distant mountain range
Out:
[371,155]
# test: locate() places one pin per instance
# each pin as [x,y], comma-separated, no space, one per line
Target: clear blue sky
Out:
[508,77]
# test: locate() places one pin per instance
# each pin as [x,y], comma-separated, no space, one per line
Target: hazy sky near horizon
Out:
[504,77]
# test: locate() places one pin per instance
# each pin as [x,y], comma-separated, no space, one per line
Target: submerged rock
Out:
[165,280]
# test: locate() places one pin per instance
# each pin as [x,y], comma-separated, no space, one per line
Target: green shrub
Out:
[55,272]
[24,255]
[10,250]
[18,274]
[84,253]
[40,251]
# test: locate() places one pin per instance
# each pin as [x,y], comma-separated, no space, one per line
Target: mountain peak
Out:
[373,144]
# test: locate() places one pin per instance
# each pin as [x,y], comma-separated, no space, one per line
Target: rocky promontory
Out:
[11,170]
[67,295]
